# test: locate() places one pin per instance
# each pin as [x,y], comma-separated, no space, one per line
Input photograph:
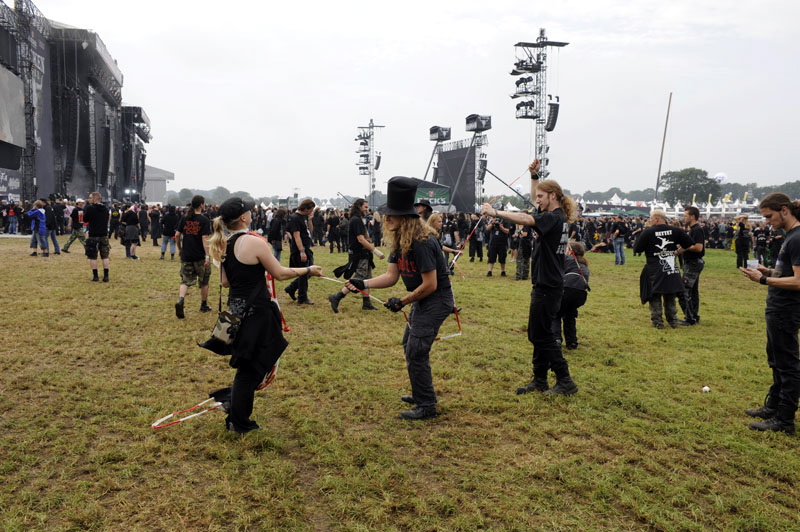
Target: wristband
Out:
[308,270]
[763,279]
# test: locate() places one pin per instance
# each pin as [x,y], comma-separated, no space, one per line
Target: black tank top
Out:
[243,278]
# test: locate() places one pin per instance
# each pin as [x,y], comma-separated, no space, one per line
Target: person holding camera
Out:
[416,257]
[551,224]
[498,243]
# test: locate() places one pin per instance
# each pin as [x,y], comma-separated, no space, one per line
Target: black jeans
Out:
[571,301]
[476,248]
[301,283]
[742,254]
[545,303]
[783,357]
[690,298]
[424,320]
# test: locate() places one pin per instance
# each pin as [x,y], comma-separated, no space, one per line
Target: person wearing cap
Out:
[76,226]
[361,250]
[551,224]
[424,209]
[416,257]
[192,238]
[244,259]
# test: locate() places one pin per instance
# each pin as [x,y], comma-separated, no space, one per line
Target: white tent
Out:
[510,208]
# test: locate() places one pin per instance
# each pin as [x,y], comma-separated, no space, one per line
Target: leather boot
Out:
[564,386]
[419,412]
[334,300]
[775,424]
[366,304]
[767,411]
[538,384]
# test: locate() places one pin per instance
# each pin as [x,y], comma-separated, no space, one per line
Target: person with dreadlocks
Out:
[416,257]
[551,223]
[782,317]
[244,259]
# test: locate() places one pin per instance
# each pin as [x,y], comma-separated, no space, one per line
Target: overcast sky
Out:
[267,96]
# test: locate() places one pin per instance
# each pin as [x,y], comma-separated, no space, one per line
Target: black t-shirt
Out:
[661,241]
[547,267]
[96,217]
[761,236]
[193,230]
[780,299]
[423,257]
[697,235]
[776,240]
[130,218]
[622,227]
[498,238]
[298,222]
[77,218]
[168,224]
[356,228]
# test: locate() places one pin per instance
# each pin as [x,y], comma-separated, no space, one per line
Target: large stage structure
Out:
[369,160]
[531,66]
[77,135]
[461,166]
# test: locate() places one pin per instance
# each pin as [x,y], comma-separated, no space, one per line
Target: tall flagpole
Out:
[663,141]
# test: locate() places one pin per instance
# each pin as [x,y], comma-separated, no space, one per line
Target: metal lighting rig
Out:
[368,159]
[531,67]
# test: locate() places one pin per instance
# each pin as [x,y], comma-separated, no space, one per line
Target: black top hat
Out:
[401,192]
[234,207]
[424,203]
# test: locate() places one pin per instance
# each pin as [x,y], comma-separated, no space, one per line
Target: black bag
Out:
[223,335]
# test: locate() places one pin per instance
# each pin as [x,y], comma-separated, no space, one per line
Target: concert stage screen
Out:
[12,109]
[447,174]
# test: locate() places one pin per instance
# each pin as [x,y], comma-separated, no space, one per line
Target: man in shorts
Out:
[192,238]
[95,216]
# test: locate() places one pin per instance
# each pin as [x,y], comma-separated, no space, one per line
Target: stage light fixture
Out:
[439,133]
[478,123]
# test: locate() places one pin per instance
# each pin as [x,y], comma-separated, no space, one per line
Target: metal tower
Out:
[368,159]
[531,65]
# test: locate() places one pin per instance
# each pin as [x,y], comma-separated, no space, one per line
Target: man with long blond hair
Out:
[551,223]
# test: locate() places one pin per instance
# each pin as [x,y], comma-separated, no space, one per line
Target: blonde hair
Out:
[218,241]
[567,203]
[432,219]
[658,213]
[409,229]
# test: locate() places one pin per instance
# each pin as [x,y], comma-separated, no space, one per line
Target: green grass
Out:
[88,367]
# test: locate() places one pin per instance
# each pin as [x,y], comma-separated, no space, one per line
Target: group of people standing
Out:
[417,246]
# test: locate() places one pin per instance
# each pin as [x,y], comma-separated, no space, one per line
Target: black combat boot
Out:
[564,386]
[767,411]
[335,299]
[538,384]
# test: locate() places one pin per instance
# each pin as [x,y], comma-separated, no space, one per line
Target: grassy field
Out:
[87,367]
